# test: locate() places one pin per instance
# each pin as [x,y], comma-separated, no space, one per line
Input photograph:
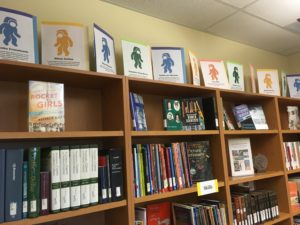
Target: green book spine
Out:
[34,157]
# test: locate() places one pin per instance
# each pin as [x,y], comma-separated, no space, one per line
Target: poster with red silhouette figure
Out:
[268,82]
[214,74]
[65,45]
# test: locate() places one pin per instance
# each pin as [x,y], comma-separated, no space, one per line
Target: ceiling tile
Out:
[250,30]
[238,3]
[280,12]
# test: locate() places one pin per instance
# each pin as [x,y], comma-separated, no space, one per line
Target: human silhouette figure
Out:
[167,62]
[105,50]
[136,56]
[235,74]
[9,29]
[63,42]
[297,84]
[213,72]
[268,80]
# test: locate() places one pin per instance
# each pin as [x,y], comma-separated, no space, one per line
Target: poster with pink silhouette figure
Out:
[214,74]
[268,82]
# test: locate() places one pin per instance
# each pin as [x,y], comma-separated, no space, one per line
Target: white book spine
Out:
[55,179]
[84,176]
[75,176]
[94,196]
[65,177]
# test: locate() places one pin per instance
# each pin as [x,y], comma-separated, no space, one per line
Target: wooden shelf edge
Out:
[257,176]
[59,135]
[290,131]
[282,216]
[293,171]
[295,212]
[248,132]
[170,194]
[69,214]
[173,133]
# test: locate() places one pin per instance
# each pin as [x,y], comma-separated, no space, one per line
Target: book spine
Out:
[163,169]
[133,110]
[65,202]
[13,184]
[55,179]
[103,181]
[136,171]
[116,173]
[24,190]
[185,164]
[153,166]
[84,176]
[94,195]
[109,192]
[173,174]
[146,170]
[75,177]
[45,193]
[158,170]
[149,164]
[141,170]
[168,167]
[2,184]
[180,165]
[34,158]
[177,167]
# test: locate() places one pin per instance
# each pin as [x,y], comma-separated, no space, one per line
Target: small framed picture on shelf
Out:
[235,76]
[268,82]
[293,81]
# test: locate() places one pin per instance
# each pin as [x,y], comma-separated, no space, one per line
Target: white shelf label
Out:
[207,187]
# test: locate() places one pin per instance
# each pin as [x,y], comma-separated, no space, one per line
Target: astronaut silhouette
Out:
[136,56]
[63,42]
[235,74]
[268,81]
[9,29]
[213,72]
[297,84]
[105,50]
[167,62]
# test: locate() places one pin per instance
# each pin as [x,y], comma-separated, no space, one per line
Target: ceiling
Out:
[267,24]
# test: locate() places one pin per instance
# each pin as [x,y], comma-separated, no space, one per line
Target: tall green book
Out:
[34,157]
[172,114]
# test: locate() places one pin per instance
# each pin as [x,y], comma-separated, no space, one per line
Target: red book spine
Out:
[163,169]
[185,164]
[177,166]
[168,166]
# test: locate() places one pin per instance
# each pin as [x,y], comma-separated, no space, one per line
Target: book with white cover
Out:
[268,82]
[258,116]
[235,76]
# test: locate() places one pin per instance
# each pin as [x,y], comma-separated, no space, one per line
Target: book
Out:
[268,82]
[214,73]
[168,64]
[84,176]
[159,213]
[116,174]
[183,214]
[138,111]
[194,68]
[103,183]
[252,77]
[64,156]
[172,114]
[13,184]
[94,195]
[2,184]
[210,113]
[104,50]
[46,107]
[34,164]
[293,193]
[65,44]
[293,117]
[240,155]
[45,192]
[235,76]
[199,158]
[228,123]
[243,117]
[75,176]
[24,189]
[141,214]
[284,84]
[136,60]
[258,117]
[293,83]
[192,114]
[19,36]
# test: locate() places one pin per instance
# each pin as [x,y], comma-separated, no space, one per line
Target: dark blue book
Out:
[2,184]
[13,184]
[138,112]
[116,174]
[24,190]
[103,186]
[173,174]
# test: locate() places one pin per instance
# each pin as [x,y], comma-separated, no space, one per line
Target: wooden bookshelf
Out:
[98,109]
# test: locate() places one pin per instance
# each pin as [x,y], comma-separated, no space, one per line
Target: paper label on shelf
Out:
[207,187]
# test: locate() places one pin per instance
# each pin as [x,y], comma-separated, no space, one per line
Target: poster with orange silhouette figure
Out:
[65,45]
[268,82]
[214,74]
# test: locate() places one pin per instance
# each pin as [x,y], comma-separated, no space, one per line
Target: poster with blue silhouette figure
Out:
[104,51]
[168,64]
[136,60]
[293,82]
[235,76]
[18,36]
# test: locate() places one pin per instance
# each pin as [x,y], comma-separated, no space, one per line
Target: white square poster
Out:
[194,68]
[235,76]
[293,82]
[214,73]
[136,60]
[65,45]
[104,51]
[268,82]
[168,64]
[18,36]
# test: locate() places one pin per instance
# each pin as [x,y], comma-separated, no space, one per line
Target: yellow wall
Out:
[123,23]
[294,64]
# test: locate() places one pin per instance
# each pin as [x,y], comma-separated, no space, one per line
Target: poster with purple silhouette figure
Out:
[104,51]
[18,36]
[168,64]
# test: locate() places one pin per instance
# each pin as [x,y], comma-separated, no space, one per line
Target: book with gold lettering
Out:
[46,107]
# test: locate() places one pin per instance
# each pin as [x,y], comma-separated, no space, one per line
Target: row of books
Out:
[166,167]
[294,190]
[292,155]
[254,207]
[204,212]
[296,220]
[35,181]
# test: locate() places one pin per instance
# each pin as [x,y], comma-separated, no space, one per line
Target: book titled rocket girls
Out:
[46,107]
[18,36]
[65,45]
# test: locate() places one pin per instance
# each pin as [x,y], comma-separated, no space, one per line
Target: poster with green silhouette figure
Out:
[168,64]
[18,36]
[65,45]
[235,76]
[268,81]
[136,60]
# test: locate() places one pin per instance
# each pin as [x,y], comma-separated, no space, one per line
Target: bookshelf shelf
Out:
[290,131]
[293,171]
[249,132]
[255,177]
[282,216]
[295,211]
[173,133]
